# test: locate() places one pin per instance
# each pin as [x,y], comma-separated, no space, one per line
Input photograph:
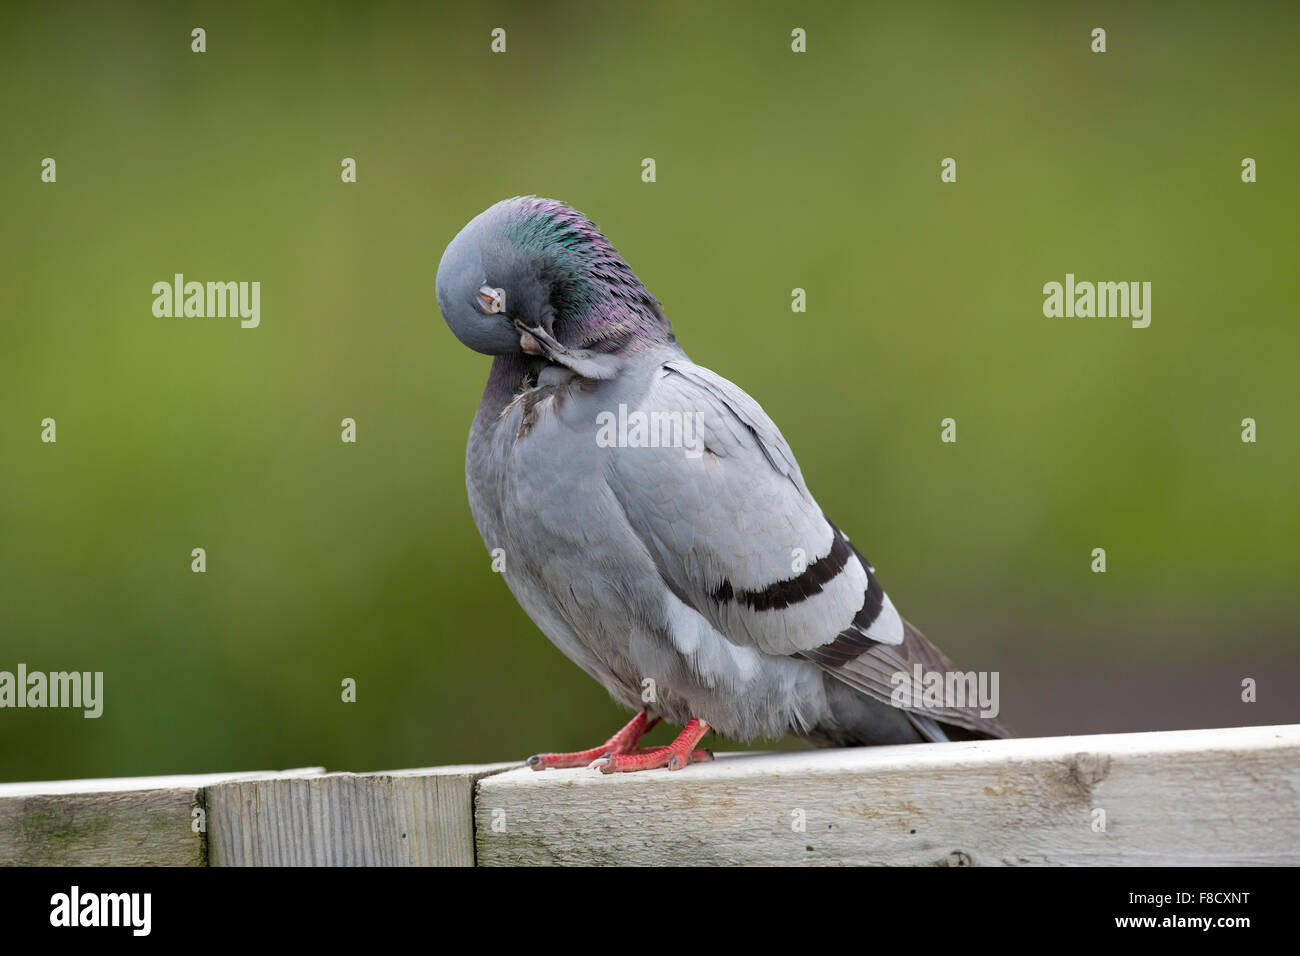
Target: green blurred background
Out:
[775,170]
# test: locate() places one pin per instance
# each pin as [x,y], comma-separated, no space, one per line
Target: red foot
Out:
[623,742]
[675,756]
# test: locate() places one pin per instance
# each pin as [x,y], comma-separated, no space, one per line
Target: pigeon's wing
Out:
[732,527]
[737,536]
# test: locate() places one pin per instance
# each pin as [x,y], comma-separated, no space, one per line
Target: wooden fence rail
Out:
[1229,796]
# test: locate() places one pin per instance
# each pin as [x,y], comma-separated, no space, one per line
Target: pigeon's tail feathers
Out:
[876,673]
[928,727]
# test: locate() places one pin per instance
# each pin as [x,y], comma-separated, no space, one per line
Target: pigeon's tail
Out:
[880,698]
[929,728]
[938,733]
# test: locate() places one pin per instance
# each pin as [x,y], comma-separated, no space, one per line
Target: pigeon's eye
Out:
[492,300]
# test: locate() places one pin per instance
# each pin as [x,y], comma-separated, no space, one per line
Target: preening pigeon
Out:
[654,522]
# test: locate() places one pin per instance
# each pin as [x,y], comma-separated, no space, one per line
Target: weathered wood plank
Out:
[129,821]
[401,818]
[1226,796]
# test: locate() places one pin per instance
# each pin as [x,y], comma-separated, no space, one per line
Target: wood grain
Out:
[129,821]
[402,818]
[1227,796]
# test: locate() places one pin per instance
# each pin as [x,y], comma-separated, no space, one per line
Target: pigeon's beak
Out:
[537,341]
[529,344]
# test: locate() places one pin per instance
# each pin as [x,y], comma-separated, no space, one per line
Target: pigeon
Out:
[653,521]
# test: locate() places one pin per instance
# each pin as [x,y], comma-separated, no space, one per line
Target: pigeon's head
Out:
[535,276]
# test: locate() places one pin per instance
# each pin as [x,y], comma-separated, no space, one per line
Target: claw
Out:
[622,742]
[675,756]
[620,754]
